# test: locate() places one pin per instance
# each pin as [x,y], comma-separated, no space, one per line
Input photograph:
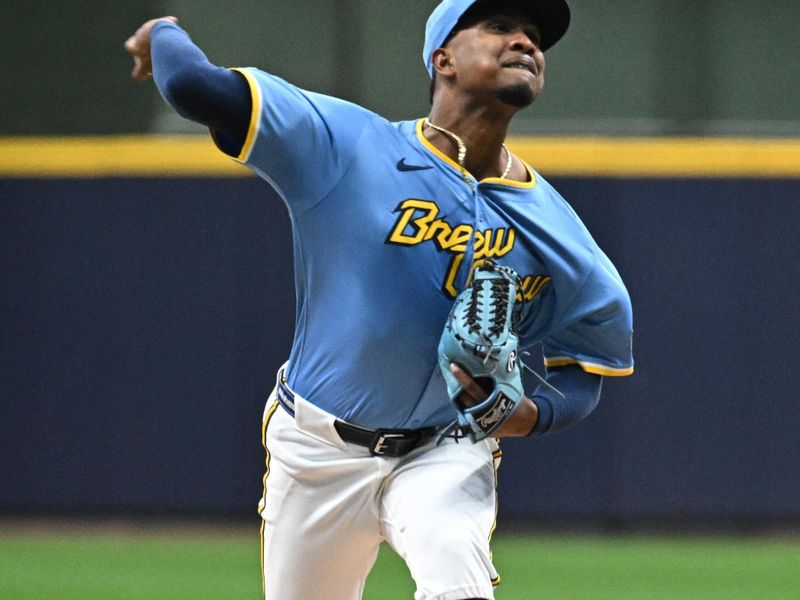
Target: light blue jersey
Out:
[385,231]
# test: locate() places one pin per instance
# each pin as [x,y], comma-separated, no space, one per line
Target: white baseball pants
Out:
[327,506]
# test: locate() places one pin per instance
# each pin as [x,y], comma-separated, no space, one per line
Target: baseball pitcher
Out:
[428,259]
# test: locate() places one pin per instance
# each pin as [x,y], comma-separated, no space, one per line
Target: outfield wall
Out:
[142,318]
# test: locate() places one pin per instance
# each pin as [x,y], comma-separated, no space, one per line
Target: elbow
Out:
[587,407]
[576,407]
[581,395]
[585,399]
[180,91]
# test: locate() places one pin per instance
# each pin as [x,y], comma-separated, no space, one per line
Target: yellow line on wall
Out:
[196,156]
[662,157]
[158,156]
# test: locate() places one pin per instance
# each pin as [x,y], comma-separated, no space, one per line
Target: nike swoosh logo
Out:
[402,165]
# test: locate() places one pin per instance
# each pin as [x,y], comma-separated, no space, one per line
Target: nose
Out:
[521,42]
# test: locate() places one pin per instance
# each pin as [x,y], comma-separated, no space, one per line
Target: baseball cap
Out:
[552,17]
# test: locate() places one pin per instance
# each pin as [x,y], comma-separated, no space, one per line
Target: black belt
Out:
[381,442]
[384,442]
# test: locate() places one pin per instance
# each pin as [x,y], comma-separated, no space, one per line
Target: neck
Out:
[482,130]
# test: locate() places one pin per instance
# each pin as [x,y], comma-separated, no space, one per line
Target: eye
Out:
[499,26]
[534,36]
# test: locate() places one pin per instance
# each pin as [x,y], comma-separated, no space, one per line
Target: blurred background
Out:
[146,294]
[642,67]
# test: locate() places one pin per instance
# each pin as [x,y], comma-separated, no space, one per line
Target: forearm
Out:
[581,392]
[198,90]
[546,410]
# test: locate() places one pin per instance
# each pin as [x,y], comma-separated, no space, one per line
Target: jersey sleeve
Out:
[299,141]
[596,331]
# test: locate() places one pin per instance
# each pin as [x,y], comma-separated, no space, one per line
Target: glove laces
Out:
[500,290]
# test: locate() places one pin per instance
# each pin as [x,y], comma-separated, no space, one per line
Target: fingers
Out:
[141,70]
[138,46]
[473,393]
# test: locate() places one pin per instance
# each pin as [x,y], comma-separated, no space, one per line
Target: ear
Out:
[443,63]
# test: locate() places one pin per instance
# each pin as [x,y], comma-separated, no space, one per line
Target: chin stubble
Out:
[520,95]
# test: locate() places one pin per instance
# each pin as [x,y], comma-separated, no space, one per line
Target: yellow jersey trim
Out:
[255,115]
[510,182]
[438,153]
[597,369]
[195,156]
[494,180]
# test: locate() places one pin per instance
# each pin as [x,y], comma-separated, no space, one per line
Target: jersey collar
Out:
[455,166]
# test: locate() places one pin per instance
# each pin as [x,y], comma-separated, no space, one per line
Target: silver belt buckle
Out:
[378,449]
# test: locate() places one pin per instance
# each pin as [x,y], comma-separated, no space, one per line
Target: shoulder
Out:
[570,250]
[554,202]
[288,120]
[267,88]
[560,223]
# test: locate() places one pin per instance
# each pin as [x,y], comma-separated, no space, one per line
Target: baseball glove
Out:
[479,337]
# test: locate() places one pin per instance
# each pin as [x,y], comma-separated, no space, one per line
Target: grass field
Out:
[178,565]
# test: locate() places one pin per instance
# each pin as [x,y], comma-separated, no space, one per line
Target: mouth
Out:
[523,64]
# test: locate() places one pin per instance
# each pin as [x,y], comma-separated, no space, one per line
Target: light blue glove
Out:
[479,337]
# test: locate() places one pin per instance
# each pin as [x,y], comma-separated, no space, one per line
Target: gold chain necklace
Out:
[462,152]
